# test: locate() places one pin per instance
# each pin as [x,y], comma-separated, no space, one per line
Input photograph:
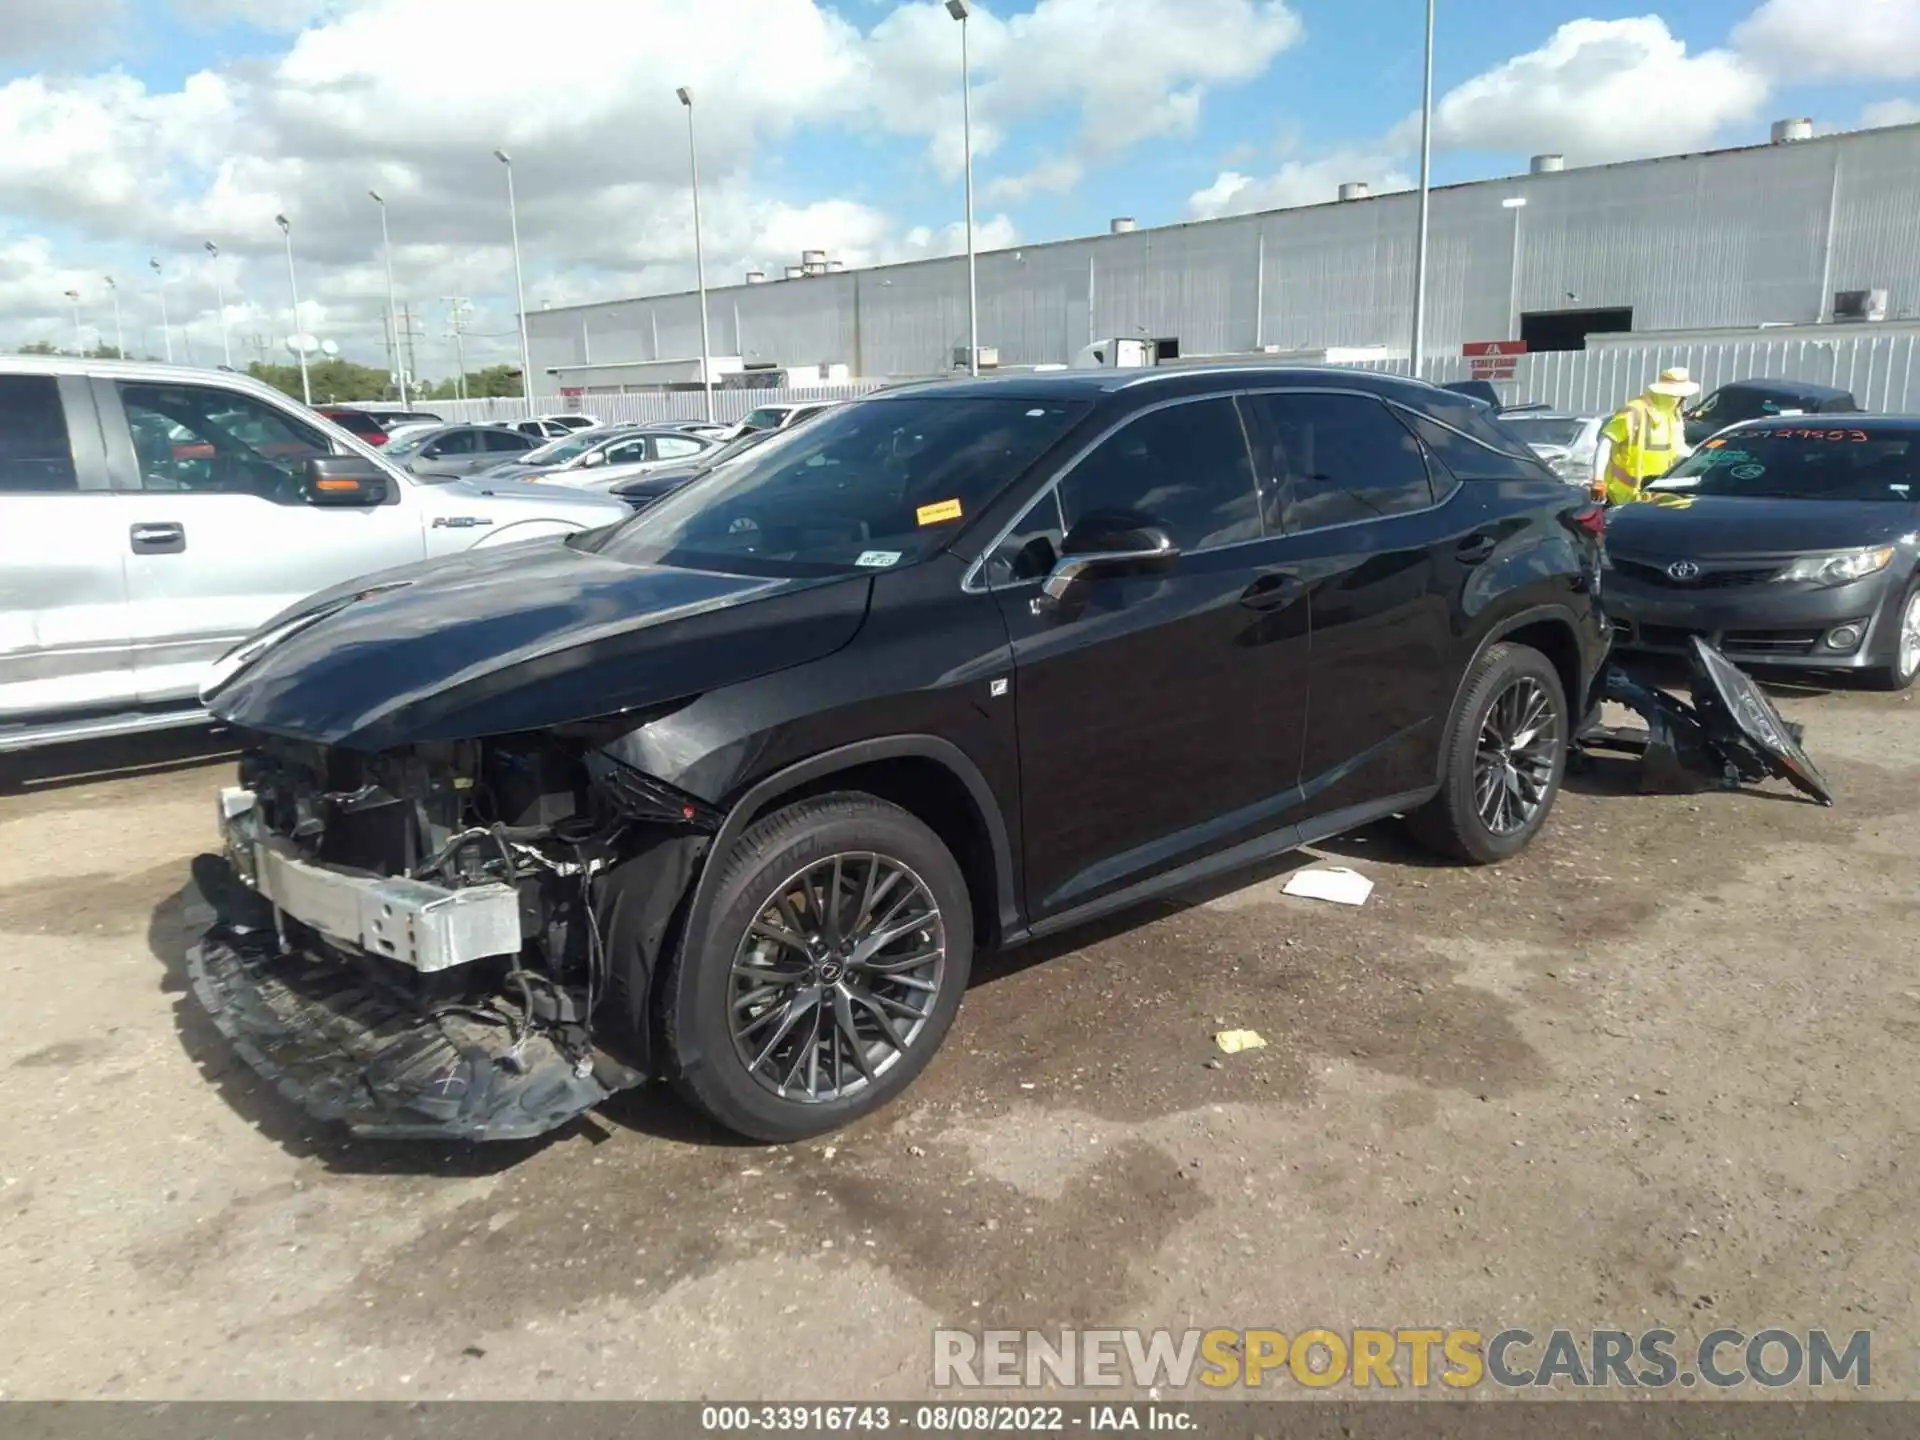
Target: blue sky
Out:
[143,128]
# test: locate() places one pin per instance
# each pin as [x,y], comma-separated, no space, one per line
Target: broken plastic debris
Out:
[1232,1042]
[1334,882]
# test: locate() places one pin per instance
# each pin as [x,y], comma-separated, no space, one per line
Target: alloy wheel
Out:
[1910,636]
[836,977]
[1514,757]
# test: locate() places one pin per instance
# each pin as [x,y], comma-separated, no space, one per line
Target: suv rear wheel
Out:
[1506,755]
[840,945]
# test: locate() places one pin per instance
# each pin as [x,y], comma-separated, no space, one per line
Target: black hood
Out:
[520,638]
[1724,526]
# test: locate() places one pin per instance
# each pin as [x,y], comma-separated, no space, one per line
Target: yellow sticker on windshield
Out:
[935,513]
[1713,444]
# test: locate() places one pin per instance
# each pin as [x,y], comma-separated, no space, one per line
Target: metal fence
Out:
[1880,370]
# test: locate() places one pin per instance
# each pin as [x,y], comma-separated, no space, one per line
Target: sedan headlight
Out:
[1839,568]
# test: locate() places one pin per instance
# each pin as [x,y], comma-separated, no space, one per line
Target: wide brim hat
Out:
[1675,381]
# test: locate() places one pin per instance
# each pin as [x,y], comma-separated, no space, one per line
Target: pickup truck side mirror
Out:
[344,480]
[1106,545]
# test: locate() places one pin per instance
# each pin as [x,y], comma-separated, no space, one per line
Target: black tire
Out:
[698,996]
[1896,676]
[1451,824]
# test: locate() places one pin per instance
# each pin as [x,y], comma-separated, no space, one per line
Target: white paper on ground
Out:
[1335,883]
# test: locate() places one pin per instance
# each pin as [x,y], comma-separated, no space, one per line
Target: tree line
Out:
[338,381]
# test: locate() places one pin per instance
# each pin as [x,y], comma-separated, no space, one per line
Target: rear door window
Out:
[504,440]
[1337,459]
[36,457]
[673,447]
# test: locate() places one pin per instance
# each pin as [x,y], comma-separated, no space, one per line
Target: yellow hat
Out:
[1675,381]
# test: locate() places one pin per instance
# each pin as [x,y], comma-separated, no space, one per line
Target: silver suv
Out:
[153,516]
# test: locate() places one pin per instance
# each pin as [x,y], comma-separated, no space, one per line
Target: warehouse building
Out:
[1801,230]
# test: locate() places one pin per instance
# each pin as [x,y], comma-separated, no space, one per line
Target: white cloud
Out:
[1890,112]
[1049,177]
[1828,39]
[63,29]
[1599,90]
[1298,182]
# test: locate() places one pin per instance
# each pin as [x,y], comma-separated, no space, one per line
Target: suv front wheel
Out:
[841,941]
[1505,757]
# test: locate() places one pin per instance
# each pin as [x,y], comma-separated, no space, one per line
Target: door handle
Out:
[162,539]
[1475,548]
[1273,591]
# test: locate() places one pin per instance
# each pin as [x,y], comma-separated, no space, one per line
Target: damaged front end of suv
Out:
[422,940]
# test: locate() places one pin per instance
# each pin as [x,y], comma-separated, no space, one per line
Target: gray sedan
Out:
[628,449]
[449,451]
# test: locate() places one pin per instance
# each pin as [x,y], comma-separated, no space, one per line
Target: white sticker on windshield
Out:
[878,559]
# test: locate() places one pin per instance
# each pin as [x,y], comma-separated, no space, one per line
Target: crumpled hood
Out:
[522,637]
[1725,526]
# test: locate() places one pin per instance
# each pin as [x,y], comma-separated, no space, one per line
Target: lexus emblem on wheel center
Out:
[1683,570]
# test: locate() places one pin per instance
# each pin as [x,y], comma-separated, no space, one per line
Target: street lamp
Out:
[298,337]
[1426,172]
[166,331]
[519,284]
[393,311]
[119,336]
[699,257]
[220,299]
[1515,203]
[960,10]
[79,339]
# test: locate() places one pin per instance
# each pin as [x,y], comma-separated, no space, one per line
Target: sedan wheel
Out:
[1906,650]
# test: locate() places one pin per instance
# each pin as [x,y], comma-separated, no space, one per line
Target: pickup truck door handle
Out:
[1274,590]
[163,539]
[1475,548]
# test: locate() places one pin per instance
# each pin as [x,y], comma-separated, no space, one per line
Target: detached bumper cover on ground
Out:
[1729,735]
[344,1047]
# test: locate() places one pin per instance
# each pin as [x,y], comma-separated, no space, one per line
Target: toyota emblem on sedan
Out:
[1683,570]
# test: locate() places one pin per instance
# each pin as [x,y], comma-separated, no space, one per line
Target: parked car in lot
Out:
[552,427]
[640,491]
[1568,443]
[1754,399]
[712,429]
[358,422]
[777,417]
[583,458]
[152,516]
[735,791]
[1798,548]
[449,450]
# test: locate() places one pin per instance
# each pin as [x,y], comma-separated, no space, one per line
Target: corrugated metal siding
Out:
[1732,238]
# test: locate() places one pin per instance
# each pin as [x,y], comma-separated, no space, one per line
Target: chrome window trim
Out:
[974,583]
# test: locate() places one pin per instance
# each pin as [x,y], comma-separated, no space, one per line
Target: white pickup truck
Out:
[152,516]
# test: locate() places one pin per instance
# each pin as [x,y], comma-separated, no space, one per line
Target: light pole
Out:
[119,336]
[960,10]
[1426,169]
[699,257]
[298,337]
[220,299]
[166,330]
[519,284]
[1515,203]
[79,338]
[393,311]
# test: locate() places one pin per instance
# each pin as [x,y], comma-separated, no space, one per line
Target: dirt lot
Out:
[1660,1071]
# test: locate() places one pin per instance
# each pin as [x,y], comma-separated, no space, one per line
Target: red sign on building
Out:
[1492,359]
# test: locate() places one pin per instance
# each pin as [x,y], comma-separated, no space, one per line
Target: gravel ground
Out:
[1657,1072]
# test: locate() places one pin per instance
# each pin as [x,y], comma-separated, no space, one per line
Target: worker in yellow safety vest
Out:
[1644,439]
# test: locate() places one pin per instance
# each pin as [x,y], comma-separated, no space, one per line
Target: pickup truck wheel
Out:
[840,944]
[1506,755]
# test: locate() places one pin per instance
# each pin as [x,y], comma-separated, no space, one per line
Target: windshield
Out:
[1811,463]
[872,485]
[558,452]
[765,419]
[1543,429]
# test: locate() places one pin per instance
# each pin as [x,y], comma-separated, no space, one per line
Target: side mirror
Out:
[1100,546]
[344,480]
[595,457]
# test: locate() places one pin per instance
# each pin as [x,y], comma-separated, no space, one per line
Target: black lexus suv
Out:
[733,792]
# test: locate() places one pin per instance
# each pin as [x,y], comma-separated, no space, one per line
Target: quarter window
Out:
[192,439]
[35,455]
[1335,459]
